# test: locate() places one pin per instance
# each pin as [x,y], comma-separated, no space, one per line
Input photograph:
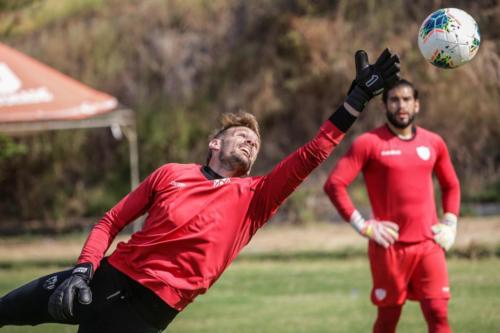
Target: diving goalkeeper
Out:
[199,217]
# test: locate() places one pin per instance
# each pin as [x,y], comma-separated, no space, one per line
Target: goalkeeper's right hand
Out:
[384,233]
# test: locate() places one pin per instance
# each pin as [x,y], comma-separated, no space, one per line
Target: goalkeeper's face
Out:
[239,147]
[401,106]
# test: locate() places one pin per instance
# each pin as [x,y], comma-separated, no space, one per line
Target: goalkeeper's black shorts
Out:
[119,304]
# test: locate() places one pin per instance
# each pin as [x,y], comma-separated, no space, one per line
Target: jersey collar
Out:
[209,173]
[413,133]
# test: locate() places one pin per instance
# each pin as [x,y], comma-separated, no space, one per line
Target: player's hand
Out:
[445,232]
[61,301]
[371,80]
[384,233]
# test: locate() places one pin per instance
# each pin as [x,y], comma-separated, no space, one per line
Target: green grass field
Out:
[308,295]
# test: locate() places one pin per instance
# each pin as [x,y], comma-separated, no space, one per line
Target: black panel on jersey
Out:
[209,173]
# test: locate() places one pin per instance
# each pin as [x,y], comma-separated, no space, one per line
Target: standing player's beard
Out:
[391,117]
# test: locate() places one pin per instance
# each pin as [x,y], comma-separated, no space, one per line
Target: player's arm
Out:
[132,206]
[445,231]
[370,81]
[127,210]
[384,233]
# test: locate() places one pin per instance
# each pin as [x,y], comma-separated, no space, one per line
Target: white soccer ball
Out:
[448,38]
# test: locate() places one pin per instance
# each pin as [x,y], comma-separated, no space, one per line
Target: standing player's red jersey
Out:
[196,225]
[398,177]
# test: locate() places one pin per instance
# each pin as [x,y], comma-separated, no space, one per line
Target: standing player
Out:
[406,243]
[199,219]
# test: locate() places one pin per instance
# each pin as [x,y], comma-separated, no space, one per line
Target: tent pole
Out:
[131,135]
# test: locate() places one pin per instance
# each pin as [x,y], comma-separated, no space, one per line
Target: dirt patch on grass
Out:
[44,248]
[338,236]
[272,238]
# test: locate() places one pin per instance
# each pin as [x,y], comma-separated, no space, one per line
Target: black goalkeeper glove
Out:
[61,300]
[371,80]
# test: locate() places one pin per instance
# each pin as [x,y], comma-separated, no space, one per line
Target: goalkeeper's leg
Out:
[27,305]
[436,314]
[387,319]
[122,305]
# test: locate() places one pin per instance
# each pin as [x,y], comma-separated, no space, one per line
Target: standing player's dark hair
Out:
[400,83]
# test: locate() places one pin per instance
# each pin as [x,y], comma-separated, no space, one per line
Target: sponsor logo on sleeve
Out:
[177,184]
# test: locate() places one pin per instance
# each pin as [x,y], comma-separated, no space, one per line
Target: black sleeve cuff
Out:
[86,270]
[342,119]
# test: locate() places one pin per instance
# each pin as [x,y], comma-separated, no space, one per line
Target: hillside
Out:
[180,63]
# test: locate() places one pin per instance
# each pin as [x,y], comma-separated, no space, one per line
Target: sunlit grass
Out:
[314,295]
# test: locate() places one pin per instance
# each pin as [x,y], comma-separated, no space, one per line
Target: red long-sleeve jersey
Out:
[398,177]
[196,226]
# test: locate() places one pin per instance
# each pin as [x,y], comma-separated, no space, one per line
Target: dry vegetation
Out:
[180,63]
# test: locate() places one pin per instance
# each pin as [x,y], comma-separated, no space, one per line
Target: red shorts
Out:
[414,271]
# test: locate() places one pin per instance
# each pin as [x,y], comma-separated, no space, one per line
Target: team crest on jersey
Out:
[380,293]
[423,152]
[220,182]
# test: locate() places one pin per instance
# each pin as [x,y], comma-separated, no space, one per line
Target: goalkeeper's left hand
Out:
[446,231]
[372,79]
[76,286]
